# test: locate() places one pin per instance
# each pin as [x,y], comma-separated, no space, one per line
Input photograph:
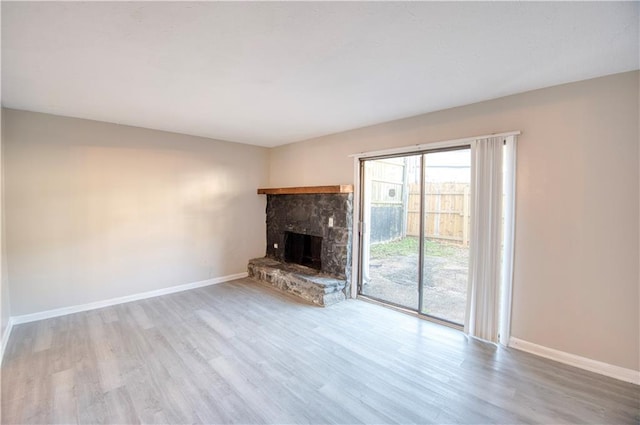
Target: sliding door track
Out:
[408,311]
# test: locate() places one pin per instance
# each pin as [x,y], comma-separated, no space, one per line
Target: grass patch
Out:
[410,246]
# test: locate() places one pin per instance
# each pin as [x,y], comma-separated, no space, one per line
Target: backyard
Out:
[393,276]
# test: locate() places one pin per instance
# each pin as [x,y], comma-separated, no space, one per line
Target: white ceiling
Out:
[270,73]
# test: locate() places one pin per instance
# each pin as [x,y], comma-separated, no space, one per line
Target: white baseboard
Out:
[5,339]
[26,318]
[617,372]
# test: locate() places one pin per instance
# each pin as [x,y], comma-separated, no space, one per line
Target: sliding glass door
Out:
[415,232]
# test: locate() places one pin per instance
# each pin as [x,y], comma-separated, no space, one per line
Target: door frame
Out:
[357,227]
[358,202]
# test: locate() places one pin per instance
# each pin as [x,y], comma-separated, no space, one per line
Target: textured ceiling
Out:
[270,73]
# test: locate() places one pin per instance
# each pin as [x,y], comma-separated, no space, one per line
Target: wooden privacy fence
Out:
[388,199]
[446,211]
[395,203]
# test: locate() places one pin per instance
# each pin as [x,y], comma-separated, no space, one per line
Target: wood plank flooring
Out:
[241,353]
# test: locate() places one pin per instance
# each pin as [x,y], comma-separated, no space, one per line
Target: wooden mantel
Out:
[305,190]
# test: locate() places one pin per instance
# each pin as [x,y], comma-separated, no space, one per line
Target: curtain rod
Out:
[431,145]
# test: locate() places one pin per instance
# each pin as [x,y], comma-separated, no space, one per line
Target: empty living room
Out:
[319,212]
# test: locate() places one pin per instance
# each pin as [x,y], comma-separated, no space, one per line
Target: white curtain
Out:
[508,236]
[483,304]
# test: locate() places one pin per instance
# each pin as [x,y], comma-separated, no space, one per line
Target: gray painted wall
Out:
[4,281]
[96,210]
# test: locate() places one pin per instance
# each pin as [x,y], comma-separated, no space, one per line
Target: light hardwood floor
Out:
[241,353]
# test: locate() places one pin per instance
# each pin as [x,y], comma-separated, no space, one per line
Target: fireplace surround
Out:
[310,226]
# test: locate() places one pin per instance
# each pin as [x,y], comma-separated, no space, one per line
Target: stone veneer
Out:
[309,214]
[300,281]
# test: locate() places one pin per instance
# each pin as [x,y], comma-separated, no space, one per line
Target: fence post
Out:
[465,217]
[405,198]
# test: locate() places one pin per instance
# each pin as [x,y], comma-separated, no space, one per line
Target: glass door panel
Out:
[446,221]
[390,260]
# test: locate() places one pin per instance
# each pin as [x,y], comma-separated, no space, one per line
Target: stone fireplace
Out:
[309,233]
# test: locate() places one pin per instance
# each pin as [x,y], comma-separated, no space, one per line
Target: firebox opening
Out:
[303,249]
